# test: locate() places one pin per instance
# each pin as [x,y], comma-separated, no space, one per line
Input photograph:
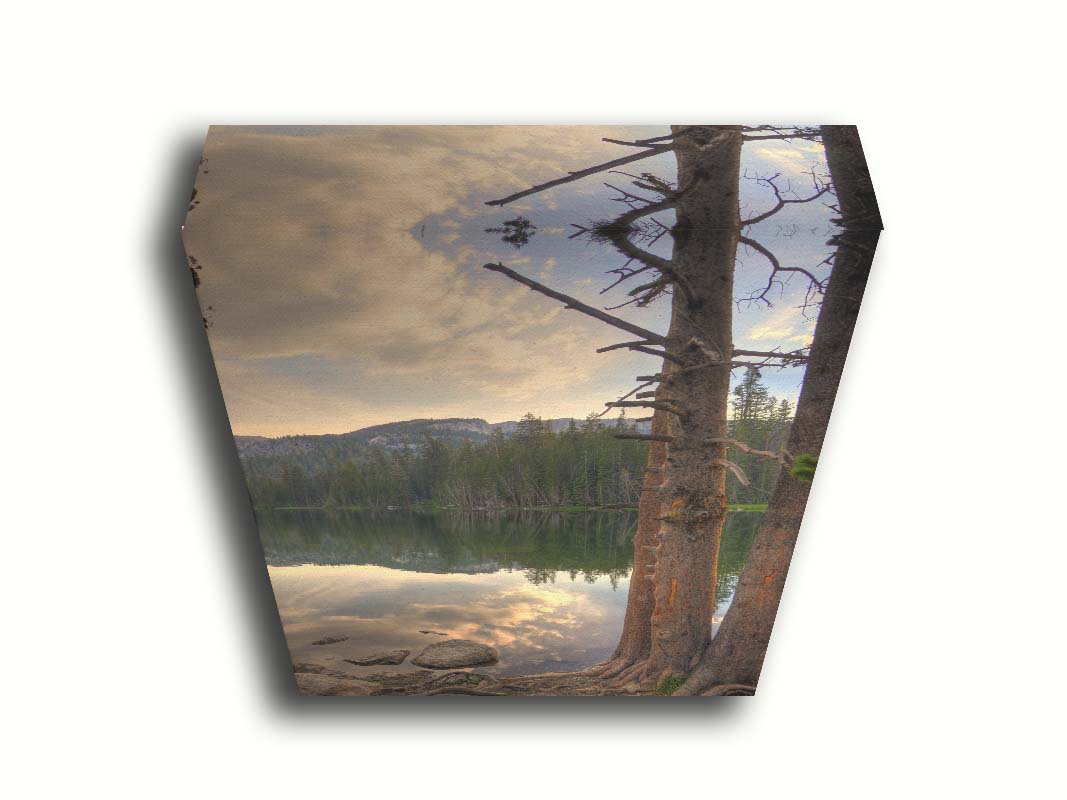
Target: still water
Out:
[547,589]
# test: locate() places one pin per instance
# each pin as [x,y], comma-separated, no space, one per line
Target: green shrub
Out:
[804,467]
[670,685]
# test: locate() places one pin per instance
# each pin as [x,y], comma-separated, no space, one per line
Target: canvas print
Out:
[530,410]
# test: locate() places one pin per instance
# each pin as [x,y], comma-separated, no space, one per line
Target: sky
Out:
[341,272]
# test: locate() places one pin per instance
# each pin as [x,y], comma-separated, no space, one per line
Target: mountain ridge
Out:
[392,436]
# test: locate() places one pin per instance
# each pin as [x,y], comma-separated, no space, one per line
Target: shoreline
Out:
[753,507]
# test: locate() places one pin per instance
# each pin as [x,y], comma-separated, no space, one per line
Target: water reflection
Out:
[547,589]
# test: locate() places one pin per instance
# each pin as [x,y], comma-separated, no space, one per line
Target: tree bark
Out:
[736,654]
[693,488]
[635,641]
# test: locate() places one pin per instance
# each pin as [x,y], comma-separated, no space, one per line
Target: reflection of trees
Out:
[539,543]
[737,537]
[588,545]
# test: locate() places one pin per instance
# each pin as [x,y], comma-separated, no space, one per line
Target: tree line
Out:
[585,464]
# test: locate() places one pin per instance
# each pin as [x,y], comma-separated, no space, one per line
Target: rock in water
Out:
[392,657]
[455,653]
[331,640]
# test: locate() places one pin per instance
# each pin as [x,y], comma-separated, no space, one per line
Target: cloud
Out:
[328,310]
[789,157]
[767,328]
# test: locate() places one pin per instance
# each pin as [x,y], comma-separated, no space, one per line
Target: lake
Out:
[547,589]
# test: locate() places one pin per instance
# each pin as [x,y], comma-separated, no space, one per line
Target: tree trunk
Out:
[634,643]
[693,488]
[736,654]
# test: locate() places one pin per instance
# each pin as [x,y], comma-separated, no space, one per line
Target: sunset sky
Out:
[342,272]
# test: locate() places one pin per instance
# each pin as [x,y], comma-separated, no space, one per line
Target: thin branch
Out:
[782,202]
[661,353]
[583,173]
[625,275]
[795,355]
[667,136]
[627,144]
[661,377]
[659,406]
[667,377]
[736,470]
[645,437]
[782,457]
[618,233]
[577,305]
[776,267]
[621,345]
[628,394]
[787,132]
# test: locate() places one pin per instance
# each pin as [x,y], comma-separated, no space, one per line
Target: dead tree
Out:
[735,657]
[683,500]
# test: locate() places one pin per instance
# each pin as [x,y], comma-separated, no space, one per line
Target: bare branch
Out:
[782,202]
[637,143]
[625,274]
[782,457]
[661,377]
[764,132]
[583,173]
[736,470]
[667,377]
[628,394]
[776,267]
[667,136]
[645,437]
[622,345]
[659,406]
[661,353]
[795,355]
[577,305]
[618,232]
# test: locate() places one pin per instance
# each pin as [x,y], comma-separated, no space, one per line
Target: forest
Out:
[582,465]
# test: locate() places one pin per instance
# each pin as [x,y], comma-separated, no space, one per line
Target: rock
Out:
[328,686]
[455,653]
[434,633]
[391,657]
[331,640]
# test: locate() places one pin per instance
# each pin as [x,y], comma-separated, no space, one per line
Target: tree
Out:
[515,232]
[733,660]
[682,513]
[760,421]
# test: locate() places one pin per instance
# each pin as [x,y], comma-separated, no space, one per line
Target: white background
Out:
[919,649]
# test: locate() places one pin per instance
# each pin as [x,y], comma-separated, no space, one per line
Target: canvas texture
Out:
[530,410]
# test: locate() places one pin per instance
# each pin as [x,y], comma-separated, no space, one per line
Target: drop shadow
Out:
[243,552]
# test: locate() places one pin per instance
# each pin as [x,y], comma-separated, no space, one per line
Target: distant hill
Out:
[390,436]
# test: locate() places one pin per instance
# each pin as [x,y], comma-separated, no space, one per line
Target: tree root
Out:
[618,670]
[631,673]
[597,670]
[629,681]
